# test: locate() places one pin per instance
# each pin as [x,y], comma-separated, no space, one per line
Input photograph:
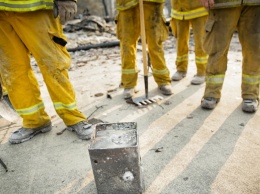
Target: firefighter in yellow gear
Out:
[34,27]
[128,32]
[186,14]
[225,17]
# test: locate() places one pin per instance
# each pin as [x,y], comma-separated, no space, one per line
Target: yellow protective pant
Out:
[181,31]
[41,35]
[220,27]
[128,32]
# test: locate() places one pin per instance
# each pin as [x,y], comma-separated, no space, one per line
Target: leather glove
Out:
[66,10]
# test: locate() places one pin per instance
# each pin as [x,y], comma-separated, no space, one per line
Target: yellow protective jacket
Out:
[187,9]
[26,5]
[126,4]
[234,3]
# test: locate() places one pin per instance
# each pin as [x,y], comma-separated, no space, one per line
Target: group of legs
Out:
[47,45]
[212,36]
[128,32]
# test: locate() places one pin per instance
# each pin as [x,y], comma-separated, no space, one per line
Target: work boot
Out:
[129,93]
[209,102]
[24,134]
[249,105]
[178,75]
[166,89]
[198,79]
[82,129]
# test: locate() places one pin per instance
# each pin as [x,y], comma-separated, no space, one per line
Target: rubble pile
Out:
[89,30]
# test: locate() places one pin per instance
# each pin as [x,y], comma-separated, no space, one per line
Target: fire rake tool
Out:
[146,100]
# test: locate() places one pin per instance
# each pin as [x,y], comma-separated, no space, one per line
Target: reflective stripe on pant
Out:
[182,34]
[41,35]
[220,27]
[128,32]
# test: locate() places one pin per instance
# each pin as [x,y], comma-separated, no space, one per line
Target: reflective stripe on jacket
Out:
[234,3]
[187,9]
[126,4]
[187,15]
[25,5]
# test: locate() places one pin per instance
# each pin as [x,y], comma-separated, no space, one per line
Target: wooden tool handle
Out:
[145,65]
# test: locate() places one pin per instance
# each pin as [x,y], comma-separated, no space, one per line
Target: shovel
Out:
[146,100]
[6,111]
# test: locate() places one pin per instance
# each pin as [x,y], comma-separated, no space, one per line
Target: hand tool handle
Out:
[141,7]
[145,65]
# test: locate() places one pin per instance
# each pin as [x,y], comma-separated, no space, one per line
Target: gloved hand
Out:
[67,9]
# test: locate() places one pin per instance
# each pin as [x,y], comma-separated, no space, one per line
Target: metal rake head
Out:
[142,101]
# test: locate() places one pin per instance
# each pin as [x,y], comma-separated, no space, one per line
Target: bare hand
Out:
[207,3]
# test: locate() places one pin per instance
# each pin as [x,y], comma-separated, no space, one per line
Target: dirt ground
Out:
[201,151]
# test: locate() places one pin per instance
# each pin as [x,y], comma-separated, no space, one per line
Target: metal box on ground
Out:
[115,160]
